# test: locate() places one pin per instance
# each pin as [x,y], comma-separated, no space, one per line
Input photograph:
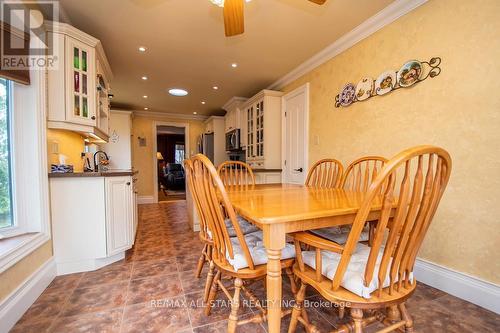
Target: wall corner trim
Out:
[18,302]
[469,288]
[145,199]
[384,17]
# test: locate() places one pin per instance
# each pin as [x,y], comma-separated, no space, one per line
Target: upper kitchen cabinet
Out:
[79,85]
[263,124]
[235,118]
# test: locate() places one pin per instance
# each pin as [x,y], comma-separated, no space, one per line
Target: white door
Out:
[295,119]
[119,214]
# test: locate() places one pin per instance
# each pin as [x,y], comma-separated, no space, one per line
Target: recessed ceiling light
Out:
[146,109]
[144,78]
[203,102]
[234,65]
[142,49]
[177,92]
[145,96]
[215,88]
[195,112]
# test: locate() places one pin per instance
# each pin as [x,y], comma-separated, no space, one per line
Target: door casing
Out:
[304,89]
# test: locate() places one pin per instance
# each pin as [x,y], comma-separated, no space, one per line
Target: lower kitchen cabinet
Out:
[119,214]
[93,221]
[267,177]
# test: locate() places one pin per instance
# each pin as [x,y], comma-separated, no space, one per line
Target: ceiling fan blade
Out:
[234,23]
[318,2]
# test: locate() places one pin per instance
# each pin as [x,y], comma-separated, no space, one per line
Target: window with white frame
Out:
[23,158]
[6,198]
[179,153]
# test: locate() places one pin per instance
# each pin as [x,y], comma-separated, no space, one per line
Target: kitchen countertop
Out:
[110,173]
[267,170]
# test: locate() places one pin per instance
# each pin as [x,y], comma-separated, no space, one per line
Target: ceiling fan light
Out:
[219,3]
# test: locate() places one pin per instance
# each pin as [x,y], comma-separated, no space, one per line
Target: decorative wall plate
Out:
[413,71]
[409,73]
[385,82]
[347,94]
[364,88]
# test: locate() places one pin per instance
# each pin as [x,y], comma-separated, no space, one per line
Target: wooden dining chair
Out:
[361,173]
[325,173]
[236,173]
[377,280]
[204,234]
[242,258]
[357,177]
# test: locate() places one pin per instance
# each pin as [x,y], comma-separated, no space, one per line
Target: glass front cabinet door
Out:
[81,87]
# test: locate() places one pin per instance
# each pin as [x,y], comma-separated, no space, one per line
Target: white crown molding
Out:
[106,67]
[213,117]
[18,302]
[168,115]
[234,102]
[117,111]
[474,290]
[384,17]
[69,30]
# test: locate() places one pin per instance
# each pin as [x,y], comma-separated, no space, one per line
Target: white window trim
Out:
[31,203]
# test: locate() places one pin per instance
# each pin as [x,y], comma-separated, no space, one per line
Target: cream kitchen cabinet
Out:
[267,177]
[263,130]
[235,118]
[119,214]
[92,219]
[73,98]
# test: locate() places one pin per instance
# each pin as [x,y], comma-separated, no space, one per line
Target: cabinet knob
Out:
[128,183]
[299,169]
[93,117]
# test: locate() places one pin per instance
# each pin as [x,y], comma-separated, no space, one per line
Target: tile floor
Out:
[154,290]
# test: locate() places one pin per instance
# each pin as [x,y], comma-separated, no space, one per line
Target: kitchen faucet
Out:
[96,169]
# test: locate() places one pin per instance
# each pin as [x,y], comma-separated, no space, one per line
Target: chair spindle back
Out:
[236,173]
[361,173]
[325,173]
[216,207]
[407,210]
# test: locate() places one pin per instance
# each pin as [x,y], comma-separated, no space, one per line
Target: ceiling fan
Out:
[233,15]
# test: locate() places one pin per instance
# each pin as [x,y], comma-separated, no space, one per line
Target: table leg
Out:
[274,240]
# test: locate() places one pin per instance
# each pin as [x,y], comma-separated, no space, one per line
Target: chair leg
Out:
[235,305]
[291,277]
[341,312]
[357,316]
[210,279]
[297,309]
[213,293]
[201,261]
[407,318]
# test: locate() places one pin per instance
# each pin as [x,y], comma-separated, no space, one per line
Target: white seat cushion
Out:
[245,226]
[354,275]
[339,234]
[257,251]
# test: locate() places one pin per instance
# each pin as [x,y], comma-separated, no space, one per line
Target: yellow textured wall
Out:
[458,110]
[142,157]
[17,274]
[70,144]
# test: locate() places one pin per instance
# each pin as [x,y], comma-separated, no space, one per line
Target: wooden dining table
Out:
[279,209]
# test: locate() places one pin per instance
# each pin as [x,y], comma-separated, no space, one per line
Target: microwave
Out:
[233,140]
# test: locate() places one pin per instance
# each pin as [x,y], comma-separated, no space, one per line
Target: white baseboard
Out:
[18,302]
[474,290]
[146,199]
[87,265]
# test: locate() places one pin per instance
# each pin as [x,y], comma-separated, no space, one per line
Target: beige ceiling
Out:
[186,46]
